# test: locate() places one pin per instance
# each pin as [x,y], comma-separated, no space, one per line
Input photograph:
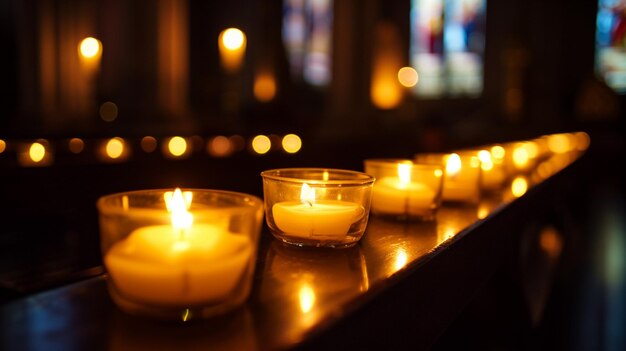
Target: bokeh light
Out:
[115,148]
[177,146]
[519,186]
[36,152]
[108,111]
[261,144]
[220,146]
[292,143]
[90,47]
[76,145]
[407,76]
[233,38]
[148,144]
[3,146]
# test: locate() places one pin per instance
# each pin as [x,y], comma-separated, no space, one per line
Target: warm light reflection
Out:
[220,146]
[453,165]
[519,186]
[148,144]
[76,145]
[291,143]
[407,76]
[90,47]
[483,211]
[306,297]
[114,148]
[177,146]
[307,194]
[401,259]
[532,149]
[36,152]
[264,87]
[551,242]
[108,111]
[385,92]
[232,46]
[3,146]
[261,144]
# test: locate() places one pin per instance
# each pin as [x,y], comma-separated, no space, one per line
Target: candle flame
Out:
[177,204]
[307,194]
[486,162]
[453,165]
[404,173]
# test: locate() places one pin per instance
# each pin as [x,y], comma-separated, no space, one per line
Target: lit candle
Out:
[462,180]
[310,218]
[232,47]
[402,196]
[178,264]
[493,175]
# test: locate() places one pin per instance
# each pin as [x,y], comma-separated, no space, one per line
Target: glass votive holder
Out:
[404,189]
[316,206]
[179,254]
[462,175]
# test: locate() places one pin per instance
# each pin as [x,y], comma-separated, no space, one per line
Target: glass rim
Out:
[387,162]
[104,207]
[360,178]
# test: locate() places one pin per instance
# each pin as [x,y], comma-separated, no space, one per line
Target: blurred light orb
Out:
[90,47]
[148,144]
[115,148]
[76,145]
[108,111]
[220,146]
[3,146]
[177,146]
[519,186]
[37,152]
[407,76]
[233,38]
[261,144]
[292,143]
[498,152]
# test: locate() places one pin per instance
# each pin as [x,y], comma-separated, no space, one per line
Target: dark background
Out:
[48,233]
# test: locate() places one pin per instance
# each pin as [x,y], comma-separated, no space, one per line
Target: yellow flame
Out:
[486,162]
[37,152]
[498,152]
[407,76]
[177,203]
[90,47]
[233,38]
[325,175]
[115,148]
[177,146]
[261,144]
[404,173]
[520,156]
[453,165]
[483,211]
[307,194]
[306,296]
[292,143]
[519,186]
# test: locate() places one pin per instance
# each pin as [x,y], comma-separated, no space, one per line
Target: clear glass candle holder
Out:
[316,206]
[178,254]
[405,189]
[462,175]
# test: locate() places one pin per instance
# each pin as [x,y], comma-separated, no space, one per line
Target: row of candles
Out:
[191,253]
[41,152]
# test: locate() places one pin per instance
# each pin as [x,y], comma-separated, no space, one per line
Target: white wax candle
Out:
[392,196]
[324,218]
[462,182]
[167,266]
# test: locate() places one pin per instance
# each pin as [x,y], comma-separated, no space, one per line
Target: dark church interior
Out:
[105,97]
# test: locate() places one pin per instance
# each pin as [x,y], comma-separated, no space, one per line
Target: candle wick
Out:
[309,202]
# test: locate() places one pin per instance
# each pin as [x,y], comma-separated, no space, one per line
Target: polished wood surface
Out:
[402,285]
